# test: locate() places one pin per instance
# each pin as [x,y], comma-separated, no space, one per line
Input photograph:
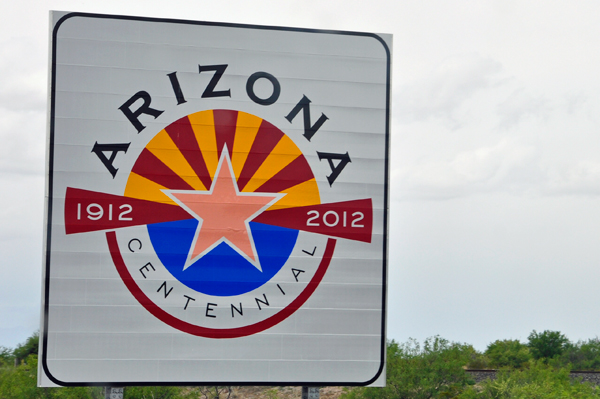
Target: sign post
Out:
[310,392]
[113,393]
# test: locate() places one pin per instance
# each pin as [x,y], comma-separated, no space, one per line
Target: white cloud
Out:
[445,89]
[23,93]
[505,166]
[23,68]
[519,105]
[23,134]
[581,178]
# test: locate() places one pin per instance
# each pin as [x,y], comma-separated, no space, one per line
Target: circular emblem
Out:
[226,258]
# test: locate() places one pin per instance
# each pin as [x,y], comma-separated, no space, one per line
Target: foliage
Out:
[29,347]
[547,345]
[433,370]
[6,356]
[507,353]
[206,392]
[540,381]
[583,355]
[21,383]
[478,361]
[272,393]
[166,392]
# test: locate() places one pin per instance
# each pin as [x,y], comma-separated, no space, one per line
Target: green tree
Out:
[6,356]
[547,345]
[584,355]
[421,372]
[507,353]
[20,381]
[29,347]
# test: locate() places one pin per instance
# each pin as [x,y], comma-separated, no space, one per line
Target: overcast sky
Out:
[495,199]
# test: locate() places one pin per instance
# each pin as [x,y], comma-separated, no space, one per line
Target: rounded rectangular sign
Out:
[217,204]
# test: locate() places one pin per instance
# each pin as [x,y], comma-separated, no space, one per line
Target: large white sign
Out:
[217,204]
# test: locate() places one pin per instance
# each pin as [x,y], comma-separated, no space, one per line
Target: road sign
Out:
[217,204]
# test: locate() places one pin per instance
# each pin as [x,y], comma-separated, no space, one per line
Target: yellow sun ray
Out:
[303,194]
[203,124]
[141,188]
[284,152]
[245,133]
[163,147]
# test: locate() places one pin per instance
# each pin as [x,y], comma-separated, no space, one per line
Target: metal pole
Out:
[113,393]
[310,392]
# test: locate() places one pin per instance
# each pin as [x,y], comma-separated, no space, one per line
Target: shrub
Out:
[584,355]
[29,347]
[539,381]
[419,372]
[507,353]
[547,345]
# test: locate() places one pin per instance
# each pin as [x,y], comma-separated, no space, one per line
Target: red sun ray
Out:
[266,139]
[152,168]
[182,134]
